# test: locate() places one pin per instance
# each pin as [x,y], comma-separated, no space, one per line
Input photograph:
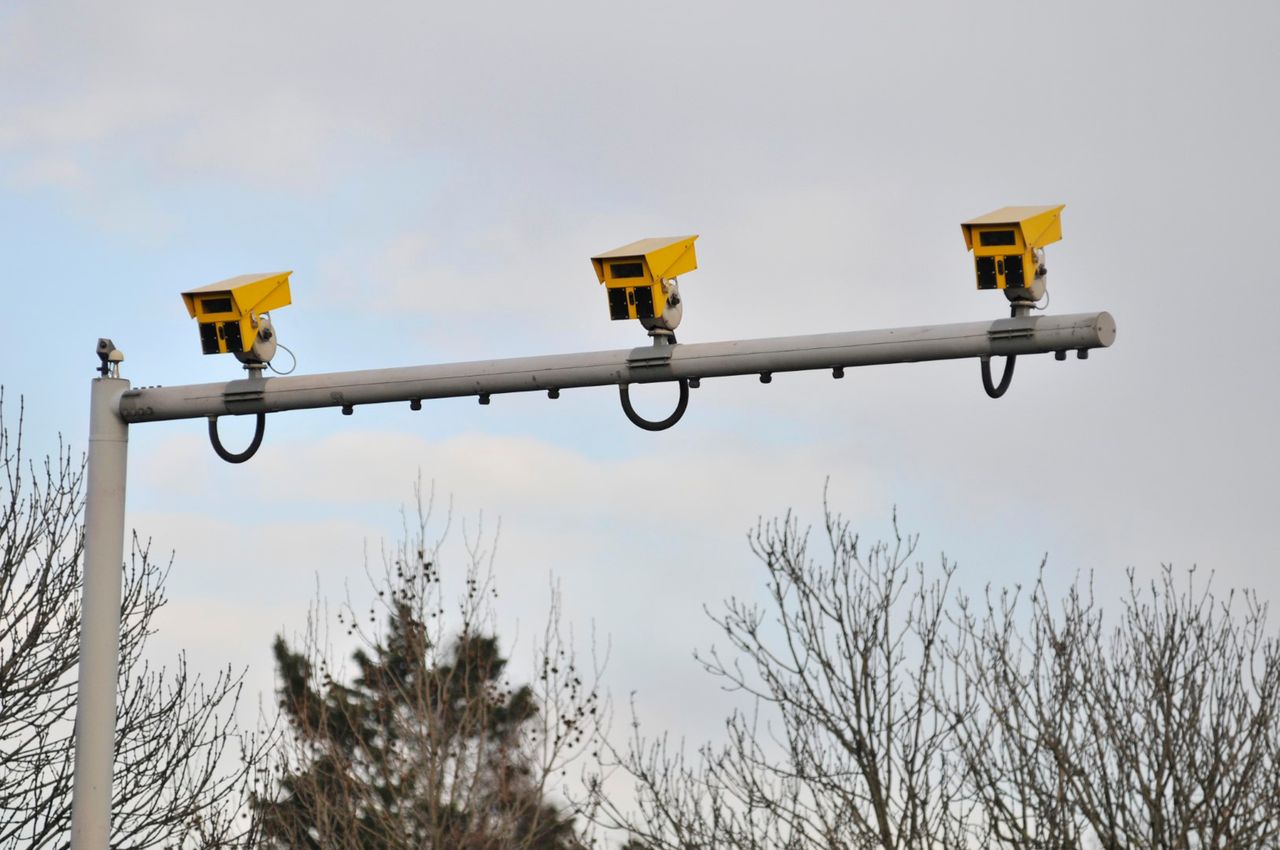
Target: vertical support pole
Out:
[100,617]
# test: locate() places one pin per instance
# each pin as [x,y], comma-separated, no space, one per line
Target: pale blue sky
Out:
[437,175]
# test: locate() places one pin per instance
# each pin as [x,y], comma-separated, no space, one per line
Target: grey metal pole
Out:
[100,617]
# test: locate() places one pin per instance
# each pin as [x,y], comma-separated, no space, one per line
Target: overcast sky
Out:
[436,176]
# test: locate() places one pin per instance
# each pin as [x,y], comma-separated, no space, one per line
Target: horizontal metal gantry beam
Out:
[647,364]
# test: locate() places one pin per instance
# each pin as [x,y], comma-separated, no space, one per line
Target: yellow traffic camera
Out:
[232,312]
[640,279]
[1008,248]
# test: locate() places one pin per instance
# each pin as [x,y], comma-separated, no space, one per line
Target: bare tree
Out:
[891,712]
[1024,795]
[1160,731]
[176,783]
[429,745]
[846,747]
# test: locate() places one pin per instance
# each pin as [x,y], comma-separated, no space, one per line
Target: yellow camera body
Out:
[635,276]
[1006,244]
[229,311]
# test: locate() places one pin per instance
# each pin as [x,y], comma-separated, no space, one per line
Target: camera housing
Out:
[230,313]
[639,279]
[1008,245]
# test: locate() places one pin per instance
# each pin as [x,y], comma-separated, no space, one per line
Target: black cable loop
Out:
[661,425]
[995,391]
[259,429]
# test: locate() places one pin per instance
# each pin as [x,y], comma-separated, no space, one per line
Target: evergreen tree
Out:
[427,746]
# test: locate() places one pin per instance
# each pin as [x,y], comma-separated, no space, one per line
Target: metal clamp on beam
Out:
[658,354]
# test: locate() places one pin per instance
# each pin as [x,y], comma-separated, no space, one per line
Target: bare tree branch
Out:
[179,779]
